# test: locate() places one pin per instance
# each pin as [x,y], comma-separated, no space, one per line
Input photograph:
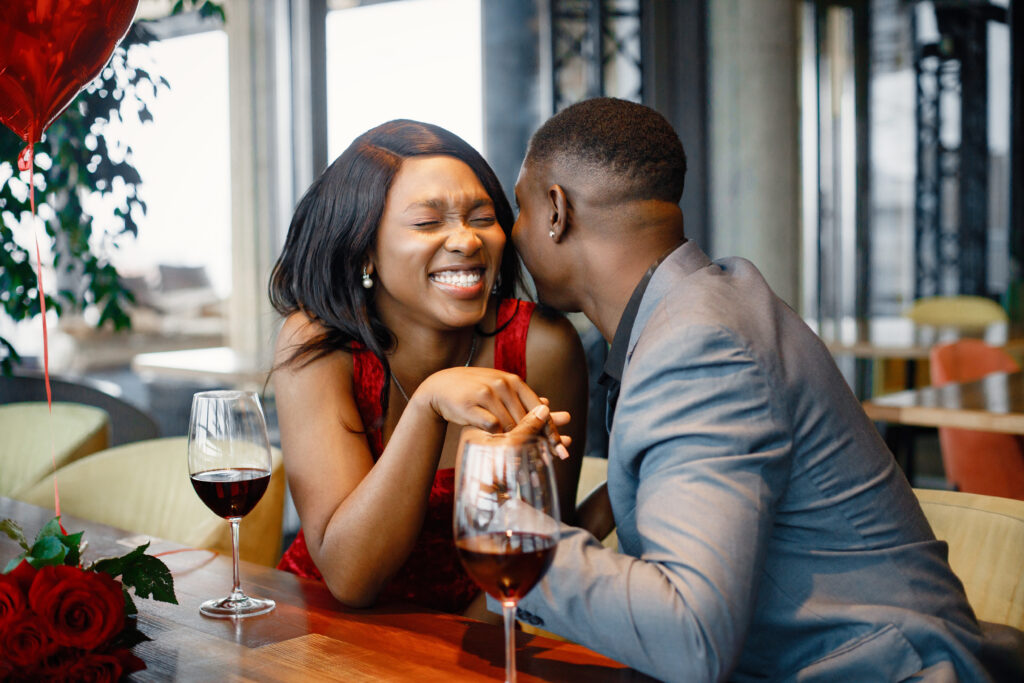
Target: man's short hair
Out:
[631,141]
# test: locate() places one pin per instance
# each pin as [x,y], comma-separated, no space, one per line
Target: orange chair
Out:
[978,462]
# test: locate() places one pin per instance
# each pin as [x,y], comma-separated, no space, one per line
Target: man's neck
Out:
[615,283]
[626,243]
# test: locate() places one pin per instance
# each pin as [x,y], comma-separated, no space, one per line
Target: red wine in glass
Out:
[231,492]
[506,565]
[229,465]
[506,519]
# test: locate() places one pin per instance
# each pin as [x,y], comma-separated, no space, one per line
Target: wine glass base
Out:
[229,607]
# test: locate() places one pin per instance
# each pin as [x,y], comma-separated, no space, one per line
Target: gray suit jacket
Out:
[765,530]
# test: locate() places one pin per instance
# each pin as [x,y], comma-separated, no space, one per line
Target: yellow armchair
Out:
[32,440]
[956,311]
[144,487]
[985,535]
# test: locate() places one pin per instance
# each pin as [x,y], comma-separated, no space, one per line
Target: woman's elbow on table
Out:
[353,593]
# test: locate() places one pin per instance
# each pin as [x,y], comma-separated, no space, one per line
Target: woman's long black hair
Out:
[335,224]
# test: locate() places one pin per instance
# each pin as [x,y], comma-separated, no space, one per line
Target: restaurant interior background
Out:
[860,152]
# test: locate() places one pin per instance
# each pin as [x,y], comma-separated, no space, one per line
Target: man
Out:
[765,530]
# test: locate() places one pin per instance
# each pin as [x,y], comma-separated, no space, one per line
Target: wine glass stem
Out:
[236,592]
[508,611]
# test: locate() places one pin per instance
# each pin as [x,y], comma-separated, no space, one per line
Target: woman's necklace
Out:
[472,350]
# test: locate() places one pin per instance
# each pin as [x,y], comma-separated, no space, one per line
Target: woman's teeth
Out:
[457,278]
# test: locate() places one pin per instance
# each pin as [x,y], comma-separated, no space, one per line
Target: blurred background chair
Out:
[985,535]
[144,487]
[33,441]
[956,311]
[594,473]
[977,462]
[127,423]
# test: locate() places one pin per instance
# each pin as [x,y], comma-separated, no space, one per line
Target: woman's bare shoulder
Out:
[297,331]
[552,337]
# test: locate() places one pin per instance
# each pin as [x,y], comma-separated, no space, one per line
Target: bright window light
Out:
[183,157]
[414,59]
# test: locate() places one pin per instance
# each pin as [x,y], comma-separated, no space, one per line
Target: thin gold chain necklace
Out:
[472,350]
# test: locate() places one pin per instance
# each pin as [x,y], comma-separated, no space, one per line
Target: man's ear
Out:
[559,208]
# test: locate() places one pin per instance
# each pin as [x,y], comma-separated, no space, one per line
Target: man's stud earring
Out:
[367,280]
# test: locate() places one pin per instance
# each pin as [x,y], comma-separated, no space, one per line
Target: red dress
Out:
[432,575]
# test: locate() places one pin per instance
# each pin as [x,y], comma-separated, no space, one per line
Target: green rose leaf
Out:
[51,528]
[147,575]
[14,532]
[115,565]
[47,551]
[150,578]
[73,543]
[129,604]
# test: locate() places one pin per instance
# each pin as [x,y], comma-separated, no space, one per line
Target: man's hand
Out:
[541,420]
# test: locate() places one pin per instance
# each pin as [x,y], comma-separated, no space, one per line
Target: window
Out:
[416,59]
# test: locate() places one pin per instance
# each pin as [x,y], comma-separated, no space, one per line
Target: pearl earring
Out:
[367,280]
[551,234]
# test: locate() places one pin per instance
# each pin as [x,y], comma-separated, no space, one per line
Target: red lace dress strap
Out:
[432,575]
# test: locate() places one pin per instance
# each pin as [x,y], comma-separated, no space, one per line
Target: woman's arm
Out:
[360,518]
[556,368]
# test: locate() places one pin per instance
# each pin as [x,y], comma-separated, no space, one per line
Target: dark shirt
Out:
[611,378]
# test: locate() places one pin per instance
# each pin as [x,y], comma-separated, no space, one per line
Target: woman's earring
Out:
[497,284]
[551,234]
[367,280]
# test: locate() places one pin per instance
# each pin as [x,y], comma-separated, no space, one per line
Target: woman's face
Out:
[439,246]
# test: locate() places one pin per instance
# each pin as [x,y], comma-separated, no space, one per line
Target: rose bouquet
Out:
[62,621]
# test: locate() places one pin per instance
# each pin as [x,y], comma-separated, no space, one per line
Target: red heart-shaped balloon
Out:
[49,51]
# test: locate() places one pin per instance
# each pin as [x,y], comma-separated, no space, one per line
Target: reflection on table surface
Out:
[994,403]
[899,337]
[310,636]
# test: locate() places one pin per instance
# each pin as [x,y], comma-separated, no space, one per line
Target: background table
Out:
[994,404]
[310,636]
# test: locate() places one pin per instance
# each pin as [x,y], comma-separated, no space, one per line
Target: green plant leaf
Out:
[14,532]
[13,563]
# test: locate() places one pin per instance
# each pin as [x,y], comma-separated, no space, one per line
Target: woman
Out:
[396,280]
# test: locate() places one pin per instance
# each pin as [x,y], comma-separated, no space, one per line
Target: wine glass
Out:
[229,464]
[506,519]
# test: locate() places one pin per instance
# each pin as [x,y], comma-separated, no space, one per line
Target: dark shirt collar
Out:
[616,360]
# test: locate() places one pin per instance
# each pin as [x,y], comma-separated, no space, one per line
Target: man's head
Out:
[633,148]
[604,168]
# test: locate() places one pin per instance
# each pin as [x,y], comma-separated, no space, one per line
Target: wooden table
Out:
[218,365]
[896,337]
[310,637]
[993,404]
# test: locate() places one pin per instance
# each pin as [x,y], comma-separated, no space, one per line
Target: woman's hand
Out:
[492,401]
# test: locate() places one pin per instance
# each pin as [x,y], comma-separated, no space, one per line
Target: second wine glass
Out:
[506,519]
[229,463]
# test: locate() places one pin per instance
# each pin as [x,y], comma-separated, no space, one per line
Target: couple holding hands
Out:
[765,531]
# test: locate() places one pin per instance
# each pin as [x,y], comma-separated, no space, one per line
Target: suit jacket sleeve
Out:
[698,433]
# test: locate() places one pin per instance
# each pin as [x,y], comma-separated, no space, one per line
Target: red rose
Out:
[57,666]
[12,600]
[92,667]
[24,574]
[84,609]
[26,641]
